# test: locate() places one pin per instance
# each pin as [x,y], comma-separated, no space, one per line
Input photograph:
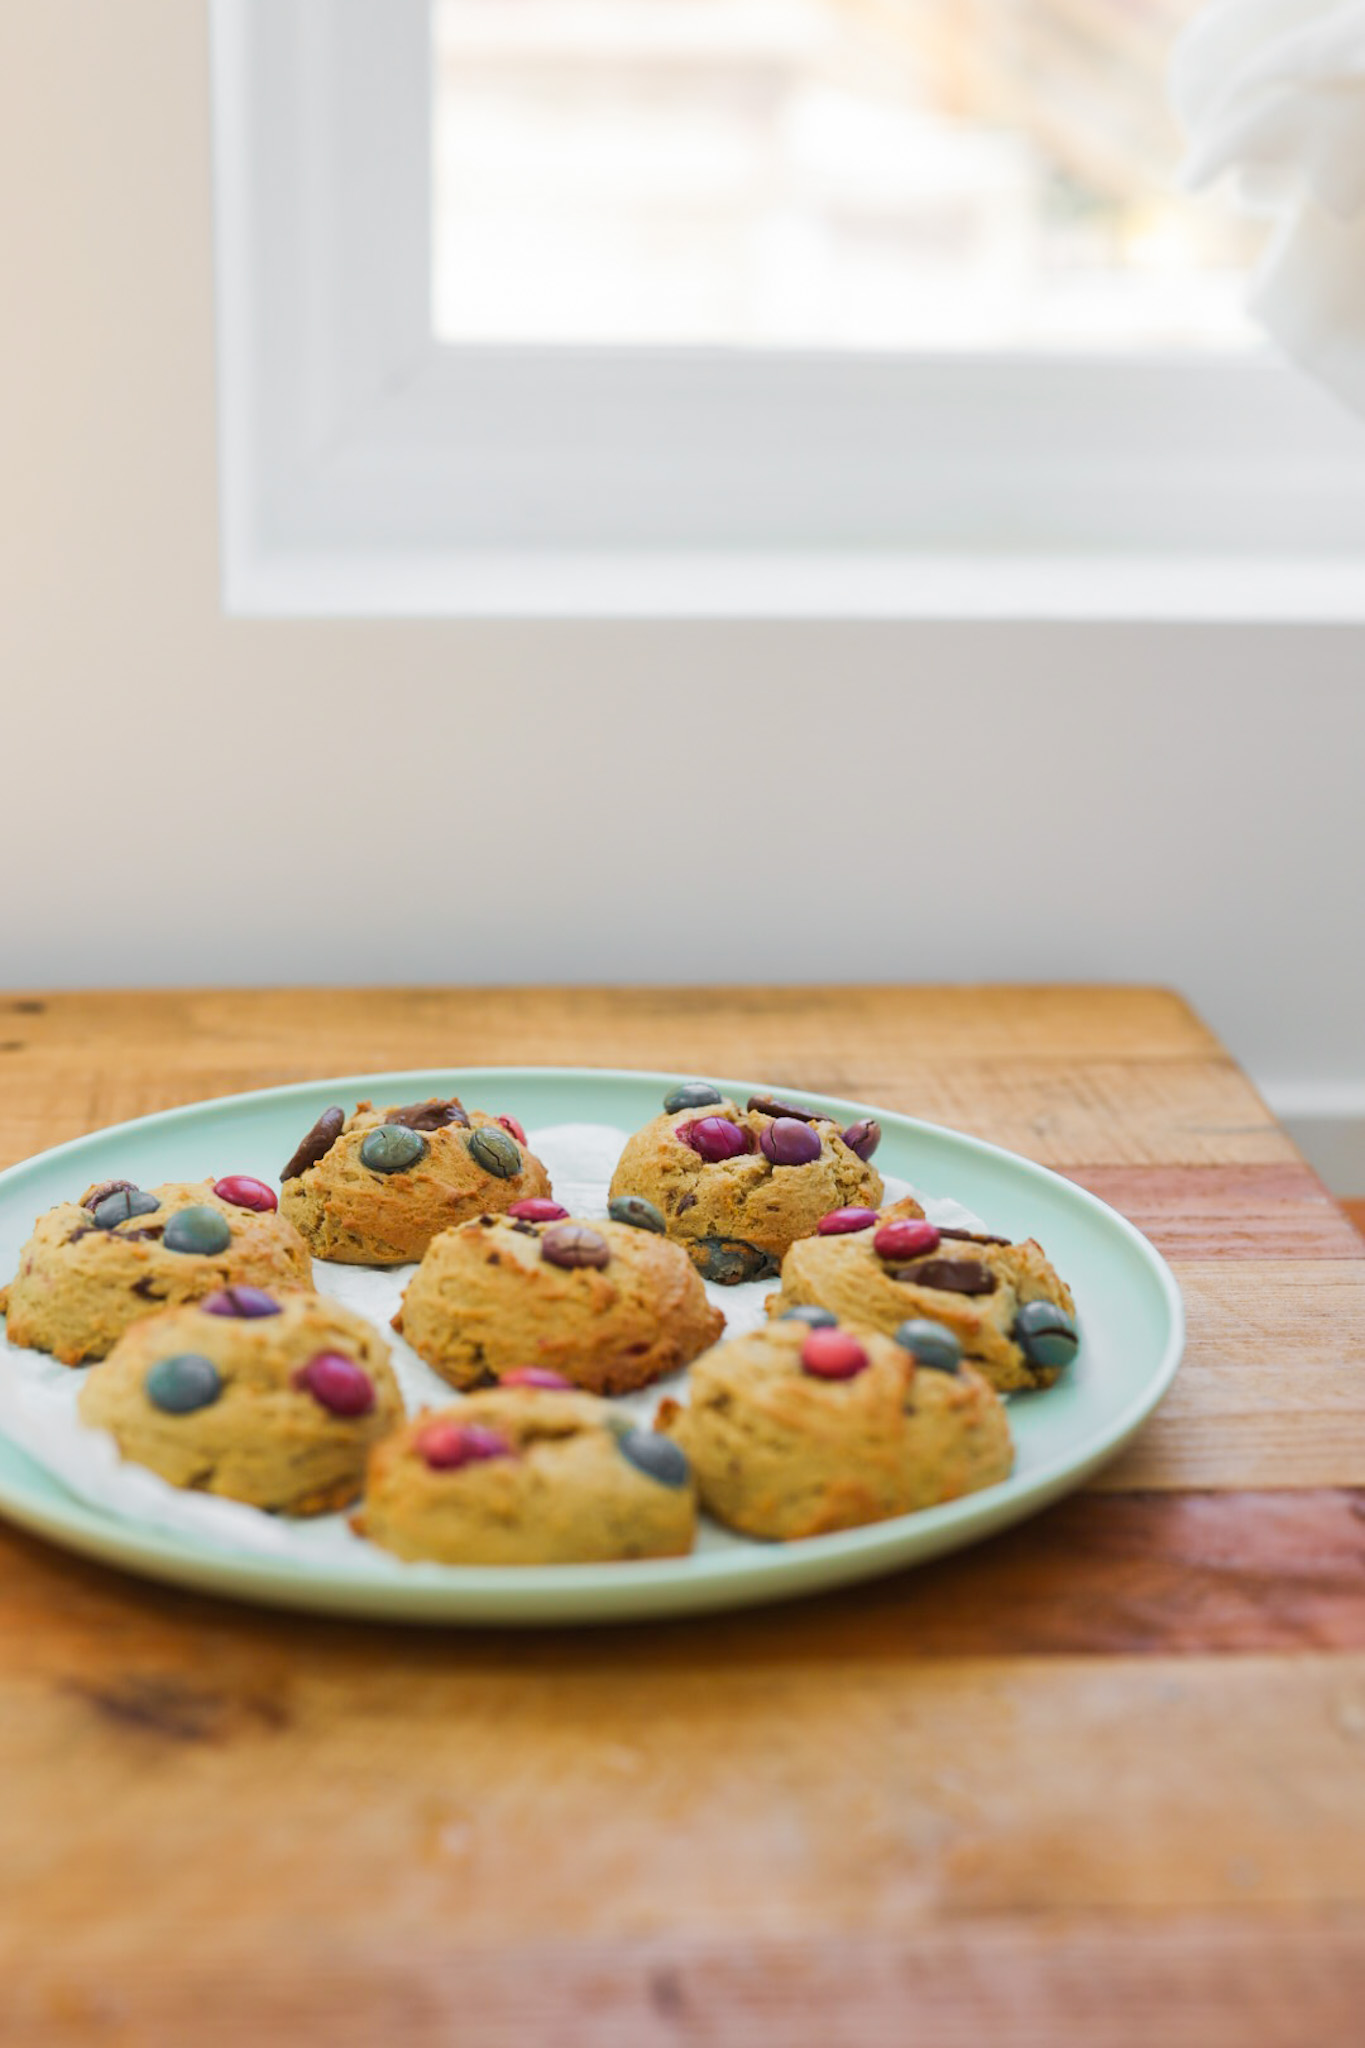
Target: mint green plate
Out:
[1132,1329]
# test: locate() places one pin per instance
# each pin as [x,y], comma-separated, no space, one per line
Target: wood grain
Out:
[1101,1781]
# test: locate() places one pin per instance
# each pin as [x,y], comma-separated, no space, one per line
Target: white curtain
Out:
[1273,91]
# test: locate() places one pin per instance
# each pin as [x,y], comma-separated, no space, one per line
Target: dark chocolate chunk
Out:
[769,1105]
[729,1260]
[432,1115]
[317,1144]
[687,1202]
[145,1290]
[572,1245]
[950,1276]
[108,1187]
[971,1236]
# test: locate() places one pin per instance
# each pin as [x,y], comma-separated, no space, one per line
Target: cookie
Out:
[272,1400]
[795,1431]
[609,1306]
[1012,1315]
[93,1267]
[738,1187]
[373,1189]
[527,1476]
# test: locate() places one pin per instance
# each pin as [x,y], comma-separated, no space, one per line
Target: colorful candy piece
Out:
[183,1383]
[199,1230]
[337,1384]
[932,1345]
[691,1095]
[121,1205]
[245,1193]
[537,1376]
[714,1138]
[638,1213]
[491,1148]
[445,1446]
[863,1137]
[538,1209]
[839,1221]
[105,1189]
[833,1355]
[907,1237]
[392,1148]
[509,1123]
[658,1457]
[789,1143]
[1046,1334]
[572,1244]
[814,1318]
[245,1303]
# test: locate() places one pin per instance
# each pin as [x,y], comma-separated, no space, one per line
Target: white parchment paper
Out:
[38,1396]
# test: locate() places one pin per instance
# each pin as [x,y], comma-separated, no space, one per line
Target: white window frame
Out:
[368,470]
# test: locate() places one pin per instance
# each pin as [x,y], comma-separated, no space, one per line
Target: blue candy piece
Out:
[116,1209]
[197,1229]
[692,1095]
[930,1344]
[814,1318]
[392,1148]
[658,1457]
[635,1210]
[1046,1334]
[181,1384]
[495,1151]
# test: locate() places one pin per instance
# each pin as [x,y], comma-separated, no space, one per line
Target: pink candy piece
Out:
[536,1376]
[906,1238]
[447,1445]
[538,1209]
[840,1220]
[715,1138]
[337,1384]
[245,1193]
[830,1355]
[509,1123]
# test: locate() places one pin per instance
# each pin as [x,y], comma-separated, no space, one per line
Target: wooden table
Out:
[1101,1781]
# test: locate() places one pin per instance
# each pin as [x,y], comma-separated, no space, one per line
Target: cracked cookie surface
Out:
[488,1298]
[80,1286]
[260,1430]
[782,1454]
[387,1214]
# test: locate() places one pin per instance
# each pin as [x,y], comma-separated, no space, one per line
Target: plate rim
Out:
[640,1589]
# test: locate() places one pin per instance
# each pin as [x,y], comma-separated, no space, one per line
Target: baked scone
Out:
[275,1401]
[738,1186]
[374,1188]
[610,1306]
[528,1476]
[93,1267]
[795,1431]
[1012,1315]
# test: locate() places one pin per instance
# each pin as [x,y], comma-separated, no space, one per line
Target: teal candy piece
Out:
[392,1148]
[658,1457]
[116,1209]
[691,1095]
[183,1383]
[1046,1334]
[930,1344]
[813,1318]
[198,1229]
[495,1151]
[635,1210]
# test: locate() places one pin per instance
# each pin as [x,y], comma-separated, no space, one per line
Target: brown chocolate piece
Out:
[971,1236]
[769,1105]
[950,1276]
[432,1115]
[145,1290]
[317,1144]
[573,1244]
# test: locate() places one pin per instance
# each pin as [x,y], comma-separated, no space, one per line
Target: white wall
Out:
[186,799]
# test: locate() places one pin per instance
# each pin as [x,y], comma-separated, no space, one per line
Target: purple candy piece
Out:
[788,1143]
[863,1137]
[245,1302]
[715,1138]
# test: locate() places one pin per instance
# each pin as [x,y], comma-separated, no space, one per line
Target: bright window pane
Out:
[883,174]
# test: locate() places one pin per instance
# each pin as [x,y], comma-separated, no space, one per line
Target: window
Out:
[737,307]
